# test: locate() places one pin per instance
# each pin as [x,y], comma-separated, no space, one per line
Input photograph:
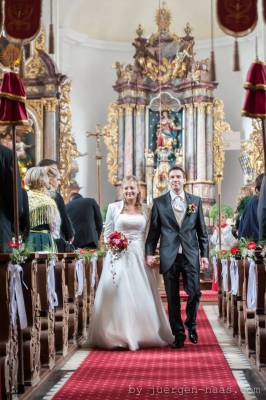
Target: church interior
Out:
[97,94]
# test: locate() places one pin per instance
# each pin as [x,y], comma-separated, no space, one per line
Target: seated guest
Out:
[43,213]
[6,197]
[66,235]
[227,238]
[86,218]
[249,224]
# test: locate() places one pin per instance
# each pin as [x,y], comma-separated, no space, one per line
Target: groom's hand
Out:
[150,260]
[204,262]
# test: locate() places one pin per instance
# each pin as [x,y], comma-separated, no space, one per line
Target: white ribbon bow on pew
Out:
[234,276]
[252,287]
[79,273]
[52,296]
[224,273]
[215,271]
[94,259]
[16,296]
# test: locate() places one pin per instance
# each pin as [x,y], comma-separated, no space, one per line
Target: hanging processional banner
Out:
[237,17]
[22,19]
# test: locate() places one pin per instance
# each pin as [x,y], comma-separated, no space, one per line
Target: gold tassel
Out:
[212,67]
[236,57]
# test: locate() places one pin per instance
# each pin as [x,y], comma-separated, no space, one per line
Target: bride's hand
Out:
[150,260]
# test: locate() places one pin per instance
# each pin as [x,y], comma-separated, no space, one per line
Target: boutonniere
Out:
[191,208]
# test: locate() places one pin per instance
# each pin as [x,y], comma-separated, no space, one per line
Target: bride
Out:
[128,312]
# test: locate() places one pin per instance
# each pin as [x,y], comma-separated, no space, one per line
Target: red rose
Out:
[82,251]
[251,246]
[234,250]
[13,245]
[92,250]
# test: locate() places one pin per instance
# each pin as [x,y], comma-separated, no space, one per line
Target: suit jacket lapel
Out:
[188,201]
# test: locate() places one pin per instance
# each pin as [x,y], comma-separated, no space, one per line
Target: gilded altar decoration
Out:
[110,131]
[22,19]
[220,127]
[68,147]
[253,150]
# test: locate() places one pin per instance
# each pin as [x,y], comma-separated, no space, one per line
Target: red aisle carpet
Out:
[194,372]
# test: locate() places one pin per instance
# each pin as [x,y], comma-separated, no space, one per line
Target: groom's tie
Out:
[179,208]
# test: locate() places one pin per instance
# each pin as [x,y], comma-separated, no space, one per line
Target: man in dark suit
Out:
[249,223]
[177,220]
[262,211]
[6,198]
[66,230]
[86,218]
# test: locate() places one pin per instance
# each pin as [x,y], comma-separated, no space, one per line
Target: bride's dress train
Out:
[128,312]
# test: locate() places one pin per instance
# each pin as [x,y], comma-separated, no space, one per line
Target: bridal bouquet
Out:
[117,243]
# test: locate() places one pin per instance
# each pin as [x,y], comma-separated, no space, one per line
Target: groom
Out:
[177,220]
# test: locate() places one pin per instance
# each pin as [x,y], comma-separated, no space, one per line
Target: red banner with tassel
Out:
[237,17]
[264,10]
[22,19]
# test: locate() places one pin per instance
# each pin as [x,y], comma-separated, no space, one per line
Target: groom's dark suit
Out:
[192,236]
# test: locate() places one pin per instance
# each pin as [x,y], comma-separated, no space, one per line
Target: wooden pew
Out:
[261,311]
[62,310]
[249,316]
[32,334]
[47,314]
[73,302]
[8,337]
[240,300]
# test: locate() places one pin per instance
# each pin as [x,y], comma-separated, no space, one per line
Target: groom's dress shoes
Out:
[193,336]
[179,342]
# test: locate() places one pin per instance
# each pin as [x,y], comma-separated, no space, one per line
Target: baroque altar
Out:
[165,114]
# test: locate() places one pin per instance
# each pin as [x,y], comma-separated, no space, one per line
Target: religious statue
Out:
[167,132]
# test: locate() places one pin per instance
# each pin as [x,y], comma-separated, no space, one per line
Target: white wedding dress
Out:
[128,312]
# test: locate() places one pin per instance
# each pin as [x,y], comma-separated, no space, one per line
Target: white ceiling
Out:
[117,20]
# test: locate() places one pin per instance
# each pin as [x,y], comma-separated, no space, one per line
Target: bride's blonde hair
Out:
[129,179]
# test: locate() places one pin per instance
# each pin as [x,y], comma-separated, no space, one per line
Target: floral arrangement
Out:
[19,252]
[117,243]
[191,208]
[87,253]
[220,253]
[247,248]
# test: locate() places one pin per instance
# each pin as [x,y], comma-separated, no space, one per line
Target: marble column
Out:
[121,144]
[189,142]
[128,150]
[50,140]
[201,143]
[209,142]
[140,142]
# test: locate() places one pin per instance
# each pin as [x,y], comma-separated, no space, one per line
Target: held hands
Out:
[150,261]
[204,263]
